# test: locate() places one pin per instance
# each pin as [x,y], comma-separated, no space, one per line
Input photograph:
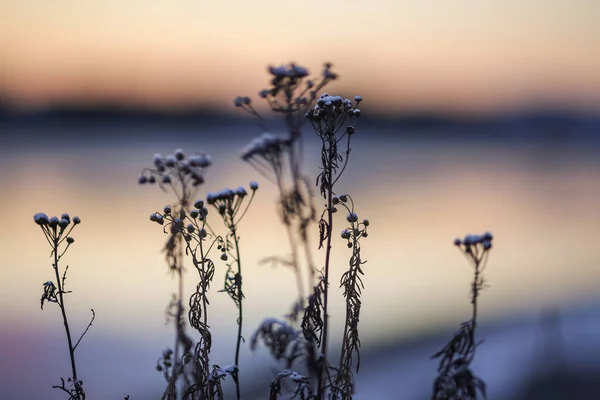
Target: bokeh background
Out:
[478,116]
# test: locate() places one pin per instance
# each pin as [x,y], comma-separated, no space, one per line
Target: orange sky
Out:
[460,55]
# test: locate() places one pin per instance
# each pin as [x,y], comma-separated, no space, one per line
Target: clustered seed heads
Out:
[455,377]
[195,219]
[475,247]
[267,146]
[229,201]
[177,168]
[332,112]
[290,89]
[57,229]
[357,229]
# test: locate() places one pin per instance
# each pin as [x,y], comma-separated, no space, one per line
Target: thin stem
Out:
[240,309]
[86,329]
[475,293]
[327,258]
[64,315]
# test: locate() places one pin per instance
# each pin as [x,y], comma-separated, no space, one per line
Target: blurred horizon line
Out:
[134,111]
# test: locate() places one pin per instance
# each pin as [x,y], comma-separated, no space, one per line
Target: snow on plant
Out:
[57,231]
[192,375]
[455,379]
[278,158]
[229,205]
[300,340]
[182,176]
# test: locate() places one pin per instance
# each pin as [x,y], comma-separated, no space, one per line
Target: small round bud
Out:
[166,179]
[203,212]
[335,200]
[63,223]
[40,219]
[366,222]
[53,222]
[76,220]
[457,242]
[167,209]
[357,98]
[240,191]
[191,228]
[349,245]
[253,185]
[356,112]
[157,159]
[352,217]
[154,217]
[350,130]
[142,179]
[151,179]
[65,216]
[344,197]
[199,204]
[70,240]
[224,256]
[170,160]
[179,154]
[333,209]
[202,233]
[346,234]
[194,213]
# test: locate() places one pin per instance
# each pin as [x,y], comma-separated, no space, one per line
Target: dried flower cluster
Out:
[177,172]
[57,231]
[455,379]
[332,117]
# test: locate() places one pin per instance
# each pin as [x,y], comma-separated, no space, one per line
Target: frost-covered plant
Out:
[279,159]
[57,231]
[190,232]
[230,206]
[200,381]
[182,176]
[456,380]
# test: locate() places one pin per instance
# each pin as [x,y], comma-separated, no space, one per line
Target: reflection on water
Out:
[539,199]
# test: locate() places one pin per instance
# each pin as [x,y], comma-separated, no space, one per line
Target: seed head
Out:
[41,219]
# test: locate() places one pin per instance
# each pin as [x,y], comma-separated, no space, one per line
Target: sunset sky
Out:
[433,55]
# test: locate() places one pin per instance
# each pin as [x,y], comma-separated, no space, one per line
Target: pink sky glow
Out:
[459,56]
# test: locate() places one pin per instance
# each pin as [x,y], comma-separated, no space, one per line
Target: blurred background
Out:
[477,116]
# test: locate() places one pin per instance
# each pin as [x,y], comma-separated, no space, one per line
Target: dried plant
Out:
[278,158]
[299,341]
[229,205]
[455,378]
[57,231]
[182,176]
